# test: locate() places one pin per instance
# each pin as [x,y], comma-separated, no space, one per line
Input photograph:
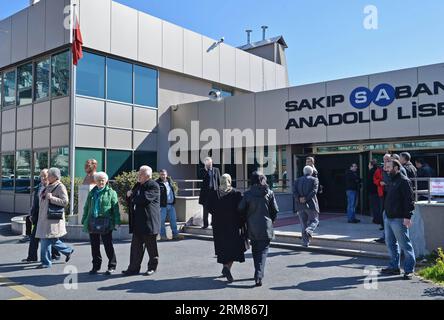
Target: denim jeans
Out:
[171,211]
[309,219]
[397,238]
[351,204]
[45,250]
[259,249]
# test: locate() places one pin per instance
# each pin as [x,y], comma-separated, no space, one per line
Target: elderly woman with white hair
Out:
[51,220]
[101,216]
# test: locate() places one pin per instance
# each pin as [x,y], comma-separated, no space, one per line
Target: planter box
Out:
[430,226]
[187,207]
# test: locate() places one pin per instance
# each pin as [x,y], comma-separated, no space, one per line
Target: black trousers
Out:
[205,216]
[34,247]
[138,245]
[107,240]
[259,249]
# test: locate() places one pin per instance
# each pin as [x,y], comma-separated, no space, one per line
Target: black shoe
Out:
[380,240]
[93,272]
[391,272]
[408,276]
[27,260]
[110,271]
[258,283]
[381,229]
[205,227]
[68,256]
[150,273]
[227,274]
[55,258]
[43,266]
[129,273]
[355,221]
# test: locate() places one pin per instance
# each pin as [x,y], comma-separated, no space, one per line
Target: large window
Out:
[60,159]
[143,158]
[118,162]
[145,86]
[40,162]
[91,76]
[7,182]
[41,86]
[23,172]
[9,88]
[60,74]
[24,84]
[1,90]
[82,155]
[120,81]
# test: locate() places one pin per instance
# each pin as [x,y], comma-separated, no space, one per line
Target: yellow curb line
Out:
[26,293]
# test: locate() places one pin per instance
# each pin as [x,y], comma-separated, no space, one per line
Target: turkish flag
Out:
[77,43]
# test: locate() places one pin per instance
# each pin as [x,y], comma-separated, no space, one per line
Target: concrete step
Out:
[293,241]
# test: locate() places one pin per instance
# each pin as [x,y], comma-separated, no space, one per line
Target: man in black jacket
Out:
[144,207]
[352,185]
[399,206]
[410,169]
[210,184]
[424,171]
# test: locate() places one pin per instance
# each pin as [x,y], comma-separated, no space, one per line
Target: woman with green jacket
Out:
[100,218]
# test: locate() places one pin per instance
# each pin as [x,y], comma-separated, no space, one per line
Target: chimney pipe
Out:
[264,31]
[248,35]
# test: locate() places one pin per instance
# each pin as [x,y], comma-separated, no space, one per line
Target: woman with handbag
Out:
[260,210]
[101,216]
[229,243]
[51,220]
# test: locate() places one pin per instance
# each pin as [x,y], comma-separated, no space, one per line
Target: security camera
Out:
[215,95]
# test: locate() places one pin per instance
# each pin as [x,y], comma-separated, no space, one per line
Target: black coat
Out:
[425,172]
[205,190]
[352,180]
[410,170]
[35,205]
[399,202]
[163,193]
[260,210]
[371,186]
[307,187]
[227,222]
[144,207]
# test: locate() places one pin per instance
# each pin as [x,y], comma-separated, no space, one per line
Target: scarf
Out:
[96,199]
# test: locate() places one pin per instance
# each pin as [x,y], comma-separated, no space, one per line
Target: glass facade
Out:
[91,76]
[23,172]
[41,161]
[145,81]
[142,158]
[60,159]
[60,74]
[118,162]
[9,87]
[24,84]
[82,155]
[8,173]
[120,81]
[42,73]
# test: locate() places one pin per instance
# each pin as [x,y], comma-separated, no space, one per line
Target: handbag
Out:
[55,212]
[99,225]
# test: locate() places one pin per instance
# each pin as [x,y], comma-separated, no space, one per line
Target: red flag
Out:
[77,43]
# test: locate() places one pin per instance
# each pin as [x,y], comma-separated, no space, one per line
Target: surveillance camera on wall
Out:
[215,95]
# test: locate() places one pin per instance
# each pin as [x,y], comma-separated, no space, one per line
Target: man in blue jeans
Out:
[399,207]
[167,202]
[352,184]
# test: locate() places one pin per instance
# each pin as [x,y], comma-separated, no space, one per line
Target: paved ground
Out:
[188,270]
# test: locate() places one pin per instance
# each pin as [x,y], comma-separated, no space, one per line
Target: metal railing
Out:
[425,193]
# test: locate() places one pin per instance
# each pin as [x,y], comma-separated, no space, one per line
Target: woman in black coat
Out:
[229,243]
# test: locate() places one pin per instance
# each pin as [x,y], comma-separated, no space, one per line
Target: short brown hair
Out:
[396,163]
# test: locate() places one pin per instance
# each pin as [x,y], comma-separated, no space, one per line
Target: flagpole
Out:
[72,142]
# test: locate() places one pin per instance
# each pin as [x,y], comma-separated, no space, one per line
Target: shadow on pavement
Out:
[434,292]
[48,280]
[360,264]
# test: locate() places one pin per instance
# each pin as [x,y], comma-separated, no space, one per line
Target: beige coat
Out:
[50,229]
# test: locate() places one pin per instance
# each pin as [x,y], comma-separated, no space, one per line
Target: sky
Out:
[327,39]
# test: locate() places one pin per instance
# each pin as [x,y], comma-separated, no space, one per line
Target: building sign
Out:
[383,96]
[437,187]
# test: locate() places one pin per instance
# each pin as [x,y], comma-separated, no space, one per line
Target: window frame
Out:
[17,91]
[48,97]
[11,106]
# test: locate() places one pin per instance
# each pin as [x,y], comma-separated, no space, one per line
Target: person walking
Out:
[260,210]
[144,206]
[167,202]
[307,207]
[352,185]
[34,218]
[399,207]
[210,184]
[229,241]
[51,221]
[101,215]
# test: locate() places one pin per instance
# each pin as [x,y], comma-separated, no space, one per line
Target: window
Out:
[120,81]
[40,162]
[41,86]
[60,159]
[118,162]
[7,182]
[60,74]
[9,88]
[91,76]
[145,86]
[24,84]
[1,90]
[23,172]
[143,158]
[82,155]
